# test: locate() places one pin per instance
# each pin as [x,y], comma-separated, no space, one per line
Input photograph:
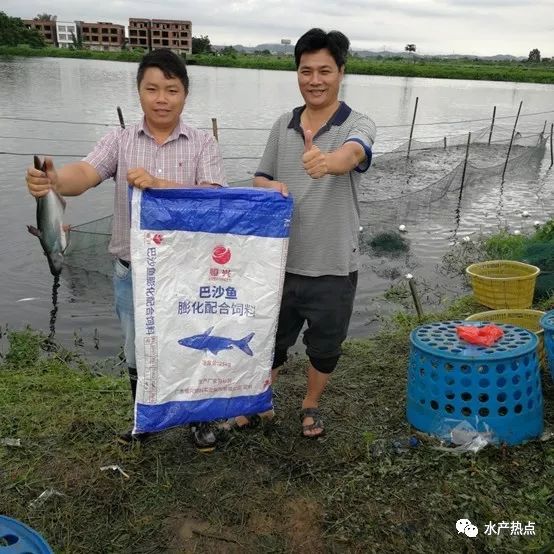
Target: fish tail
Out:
[243,344]
[33,230]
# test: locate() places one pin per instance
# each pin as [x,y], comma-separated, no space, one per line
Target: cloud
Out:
[436,26]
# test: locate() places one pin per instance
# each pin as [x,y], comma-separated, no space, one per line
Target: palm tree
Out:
[411,48]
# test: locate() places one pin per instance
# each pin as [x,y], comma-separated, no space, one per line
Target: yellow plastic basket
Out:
[503,284]
[528,319]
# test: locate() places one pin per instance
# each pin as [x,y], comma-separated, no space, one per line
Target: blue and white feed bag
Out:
[208,269]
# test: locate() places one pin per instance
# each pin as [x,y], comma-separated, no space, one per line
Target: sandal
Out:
[232,423]
[315,414]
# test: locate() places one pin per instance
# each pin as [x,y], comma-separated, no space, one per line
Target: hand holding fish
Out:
[140,178]
[39,182]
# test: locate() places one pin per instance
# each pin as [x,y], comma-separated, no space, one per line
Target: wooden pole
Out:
[464,170]
[492,123]
[415,296]
[214,128]
[445,143]
[511,140]
[412,128]
[120,115]
[544,128]
[551,150]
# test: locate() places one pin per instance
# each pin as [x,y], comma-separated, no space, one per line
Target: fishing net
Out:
[88,246]
[434,183]
[419,183]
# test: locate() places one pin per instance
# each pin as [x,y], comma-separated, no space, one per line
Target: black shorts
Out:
[326,304]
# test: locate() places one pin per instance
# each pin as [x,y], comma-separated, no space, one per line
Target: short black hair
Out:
[316,39]
[168,62]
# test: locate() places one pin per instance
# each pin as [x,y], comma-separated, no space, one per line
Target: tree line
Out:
[13,32]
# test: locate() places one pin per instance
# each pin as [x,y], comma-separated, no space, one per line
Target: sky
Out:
[473,27]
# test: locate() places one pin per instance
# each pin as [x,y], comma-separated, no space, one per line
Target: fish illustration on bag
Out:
[214,344]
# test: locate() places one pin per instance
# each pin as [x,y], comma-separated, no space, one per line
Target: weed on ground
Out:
[266,489]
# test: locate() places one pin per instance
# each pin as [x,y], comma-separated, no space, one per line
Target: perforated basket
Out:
[495,387]
[18,538]
[503,284]
[528,319]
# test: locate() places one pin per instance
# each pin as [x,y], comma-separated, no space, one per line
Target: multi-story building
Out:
[173,34]
[102,36]
[46,27]
[139,33]
[152,34]
[66,32]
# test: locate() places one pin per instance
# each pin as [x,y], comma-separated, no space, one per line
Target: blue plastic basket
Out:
[494,388]
[18,538]
[547,323]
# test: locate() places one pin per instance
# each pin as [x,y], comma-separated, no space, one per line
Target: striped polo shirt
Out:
[189,157]
[326,219]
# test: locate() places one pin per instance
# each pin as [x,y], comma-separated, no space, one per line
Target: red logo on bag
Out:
[157,238]
[221,255]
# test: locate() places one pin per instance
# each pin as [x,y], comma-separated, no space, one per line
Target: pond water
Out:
[62,106]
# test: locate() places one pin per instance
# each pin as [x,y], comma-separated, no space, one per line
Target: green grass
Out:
[428,67]
[263,490]
[26,51]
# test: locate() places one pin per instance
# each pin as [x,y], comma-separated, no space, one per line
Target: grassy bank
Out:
[423,67]
[263,490]
[125,56]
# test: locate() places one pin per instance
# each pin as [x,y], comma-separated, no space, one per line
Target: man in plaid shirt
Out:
[161,151]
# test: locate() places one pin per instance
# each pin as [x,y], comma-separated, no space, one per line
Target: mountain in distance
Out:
[289,49]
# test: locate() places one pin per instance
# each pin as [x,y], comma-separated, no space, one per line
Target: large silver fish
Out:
[50,229]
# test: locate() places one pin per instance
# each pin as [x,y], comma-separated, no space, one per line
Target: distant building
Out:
[65,31]
[103,35]
[285,41]
[139,33]
[47,28]
[173,34]
[152,34]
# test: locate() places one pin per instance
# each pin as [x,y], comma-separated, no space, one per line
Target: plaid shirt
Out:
[189,157]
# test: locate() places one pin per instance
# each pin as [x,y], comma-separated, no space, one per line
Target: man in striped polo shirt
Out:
[161,151]
[317,153]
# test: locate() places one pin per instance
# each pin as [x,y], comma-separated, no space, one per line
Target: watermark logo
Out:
[465,526]
[513,528]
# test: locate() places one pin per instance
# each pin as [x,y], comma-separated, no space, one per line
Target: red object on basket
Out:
[482,336]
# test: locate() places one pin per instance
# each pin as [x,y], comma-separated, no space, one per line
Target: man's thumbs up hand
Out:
[313,159]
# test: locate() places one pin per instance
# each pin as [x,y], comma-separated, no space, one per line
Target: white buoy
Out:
[402,228]
[466,239]
[517,232]
[537,223]
[361,228]
[409,276]
[525,213]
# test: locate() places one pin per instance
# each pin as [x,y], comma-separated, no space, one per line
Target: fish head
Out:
[55,262]
[196,341]
[185,342]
